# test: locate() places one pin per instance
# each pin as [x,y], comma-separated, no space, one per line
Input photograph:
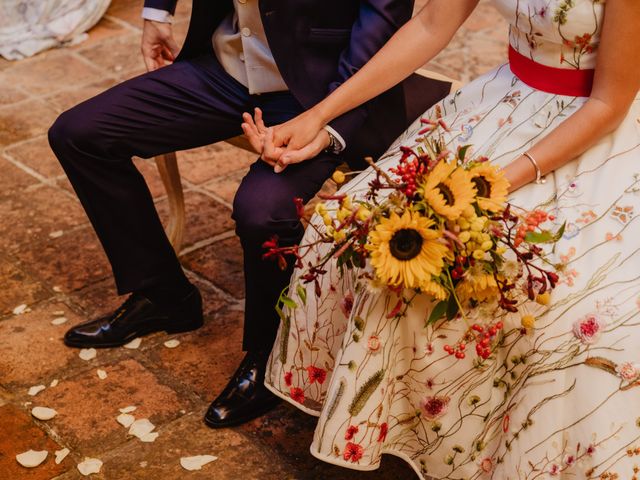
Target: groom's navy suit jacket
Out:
[317,45]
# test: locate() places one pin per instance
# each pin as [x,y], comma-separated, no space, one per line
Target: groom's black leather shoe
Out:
[245,397]
[136,317]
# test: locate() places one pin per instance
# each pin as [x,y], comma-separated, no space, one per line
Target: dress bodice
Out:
[557,33]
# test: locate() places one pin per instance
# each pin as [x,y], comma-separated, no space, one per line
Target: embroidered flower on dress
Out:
[434,407]
[588,329]
[554,470]
[351,431]
[352,452]
[316,374]
[374,344]
[346,304]
[628,371]
[384,429]
[297,394]
[486,465]
[287,378]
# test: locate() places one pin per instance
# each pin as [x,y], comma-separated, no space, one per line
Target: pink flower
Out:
[434,407]
[346,304]
[353,452]
[297,394]
[287,378]
[554,470]
[628,371]
[374,344]
[316,374]
[588,329]
[384,429]
[429,349]
[569,460]
[486,465]
[351,431]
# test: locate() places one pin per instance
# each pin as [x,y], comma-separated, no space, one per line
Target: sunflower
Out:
[405,250]
[448,190]
[478,284]
[434,289]
[491,186]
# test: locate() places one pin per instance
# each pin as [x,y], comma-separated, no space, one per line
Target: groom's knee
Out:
[261,213]
[73,131]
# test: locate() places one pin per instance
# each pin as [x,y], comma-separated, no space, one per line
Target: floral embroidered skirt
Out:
[560,396]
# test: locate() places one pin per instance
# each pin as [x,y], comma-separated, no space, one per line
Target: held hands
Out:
[295,141]
[158,45]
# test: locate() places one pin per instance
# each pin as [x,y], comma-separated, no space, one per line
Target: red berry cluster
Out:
[484,337]
[461,263]
[531,222]
[457,350]
[409,169]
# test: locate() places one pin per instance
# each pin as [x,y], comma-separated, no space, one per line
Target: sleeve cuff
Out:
[157,15]
[333,132]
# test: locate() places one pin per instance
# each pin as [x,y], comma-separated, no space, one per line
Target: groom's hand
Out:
[158,45]
[260,137]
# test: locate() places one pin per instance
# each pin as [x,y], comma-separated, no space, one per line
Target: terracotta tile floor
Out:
[50,261]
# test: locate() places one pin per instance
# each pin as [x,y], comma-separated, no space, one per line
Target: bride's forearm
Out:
[421,39]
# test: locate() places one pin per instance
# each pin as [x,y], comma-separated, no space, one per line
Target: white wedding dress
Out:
[561,400]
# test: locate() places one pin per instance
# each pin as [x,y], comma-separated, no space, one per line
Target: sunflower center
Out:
[446,192]
[406,244]
[482,186]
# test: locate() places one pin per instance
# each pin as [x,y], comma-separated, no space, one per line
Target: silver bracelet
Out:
[540,179]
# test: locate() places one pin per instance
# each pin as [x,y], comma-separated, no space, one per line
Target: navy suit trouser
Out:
[185,105]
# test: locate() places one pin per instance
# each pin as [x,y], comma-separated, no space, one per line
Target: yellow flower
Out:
[543,298]
[363,214]
[477,284]
[338,177]
[448,190]
[434,289]
[491,186]
[405,251]
[528,321]
[321,209]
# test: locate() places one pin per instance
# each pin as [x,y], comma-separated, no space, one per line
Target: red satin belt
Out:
[559,81]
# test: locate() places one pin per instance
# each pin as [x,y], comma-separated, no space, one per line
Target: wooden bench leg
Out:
[168,168]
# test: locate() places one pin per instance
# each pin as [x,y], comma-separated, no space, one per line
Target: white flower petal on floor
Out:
[56,234]
[141,427]
[59,321]
[172,343]
[128,409]
[31,458]
[149,437]
[36,389]
[61,455]
[133,344]
[101,374]
[43,413]
[54,382]
[20,309]
[125,419]
[88,354]
[89,466]
[196,462]
[58,313]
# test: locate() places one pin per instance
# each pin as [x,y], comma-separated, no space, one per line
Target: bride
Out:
[560,397]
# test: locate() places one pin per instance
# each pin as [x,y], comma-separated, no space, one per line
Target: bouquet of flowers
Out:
[445,230]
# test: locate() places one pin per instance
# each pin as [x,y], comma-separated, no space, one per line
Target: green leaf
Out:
[289,302]
[452,308]
[462,152]
[302,294]
[438,312]
[539,237]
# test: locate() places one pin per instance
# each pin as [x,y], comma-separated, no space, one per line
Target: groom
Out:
[281,56]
